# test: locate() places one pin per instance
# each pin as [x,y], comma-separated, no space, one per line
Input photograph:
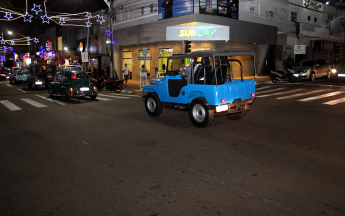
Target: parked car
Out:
[72,83]
[19,76]
[338,71]
[335,62]
[312,68]
[41,75]
[206,90]
[3,74]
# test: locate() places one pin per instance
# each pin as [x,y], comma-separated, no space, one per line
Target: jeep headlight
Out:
[334,70]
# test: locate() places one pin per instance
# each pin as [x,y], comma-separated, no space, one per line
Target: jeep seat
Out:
[220,70]
[199,73]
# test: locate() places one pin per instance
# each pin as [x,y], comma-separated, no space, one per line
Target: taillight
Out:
[74,76]
[71,89]
[222,101]
[253,95]
[16,77]
[94,88]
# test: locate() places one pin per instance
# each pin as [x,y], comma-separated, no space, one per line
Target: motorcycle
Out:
[99,83]
[112,84]
[280,75]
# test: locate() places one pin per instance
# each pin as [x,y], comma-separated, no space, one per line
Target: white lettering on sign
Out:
[197,33]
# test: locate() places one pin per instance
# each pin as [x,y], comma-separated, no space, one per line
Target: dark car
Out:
[4,74]
[338,71]
[41,75]
[19,76]
[72,83]
[312,68]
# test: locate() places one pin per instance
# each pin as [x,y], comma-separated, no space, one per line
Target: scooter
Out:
[280,75]
[100,84]
[115,85]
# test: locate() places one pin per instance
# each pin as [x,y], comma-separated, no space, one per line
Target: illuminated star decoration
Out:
[62,21]
[28,38]
[37,10]
[88,23]
[41,47]
[10,48]
[112,42]
[100,19]
[36,40]
[28,43]
[12,42]
[45,18]
[27,17]
[3,41]
[108,32]
[8,16]
[88,15]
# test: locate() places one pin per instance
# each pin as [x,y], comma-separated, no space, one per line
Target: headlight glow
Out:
[334,70]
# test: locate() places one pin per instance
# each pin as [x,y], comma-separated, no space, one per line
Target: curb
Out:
[263,82]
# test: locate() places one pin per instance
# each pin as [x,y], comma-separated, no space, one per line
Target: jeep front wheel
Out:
[153,104]
[200,113]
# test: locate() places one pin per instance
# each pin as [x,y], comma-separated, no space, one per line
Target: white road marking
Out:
[51,100]
[333,102]
[272,90]
[78,100]
[102,99]
[33,103]
[301,94]
[121,97]
[322,96]
[258,89]
[278,93]
[126,95]
[10,105]
[9,85]
[21,90]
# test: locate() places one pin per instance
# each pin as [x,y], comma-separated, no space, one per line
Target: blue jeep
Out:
[208,89]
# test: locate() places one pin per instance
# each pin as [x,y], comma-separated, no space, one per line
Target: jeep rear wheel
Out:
[200,113]
[153,104]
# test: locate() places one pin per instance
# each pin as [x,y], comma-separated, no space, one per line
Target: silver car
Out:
[312,68]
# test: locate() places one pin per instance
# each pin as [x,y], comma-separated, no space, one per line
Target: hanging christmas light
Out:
[12,42]
[3,41]
[100,19]
[27,17]
[8,16]
[28,43]
[28,38]
[62,21]
[88,15]
[36,40]
[108,32]
[10,48]
[45,18]
[88,23]
[37,10]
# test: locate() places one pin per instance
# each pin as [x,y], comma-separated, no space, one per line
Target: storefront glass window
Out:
[164,54]
[147,62]
[127,59]
[228,8]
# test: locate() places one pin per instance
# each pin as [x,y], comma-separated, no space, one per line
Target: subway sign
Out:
[197,31]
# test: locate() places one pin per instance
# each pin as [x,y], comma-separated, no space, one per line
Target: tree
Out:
[5,3]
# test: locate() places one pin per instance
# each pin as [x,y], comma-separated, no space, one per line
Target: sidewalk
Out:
[133,86]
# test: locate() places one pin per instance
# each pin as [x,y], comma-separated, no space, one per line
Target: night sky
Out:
[62,6]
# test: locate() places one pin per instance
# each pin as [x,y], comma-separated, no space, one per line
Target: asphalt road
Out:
[108,157]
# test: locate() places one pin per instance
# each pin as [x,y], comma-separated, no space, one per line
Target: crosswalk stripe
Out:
[279,93]
[103,99]
[51,100]
[321,96]
[33,103]
[258,89]
[9,85]
[301,94]
[121,97]
[10,105]
[333,102]
[78,100]
[272,90]
[127,95]
[21,90]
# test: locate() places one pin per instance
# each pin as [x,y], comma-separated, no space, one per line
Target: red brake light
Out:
[71,89]
[74,76]
[253,95]
[222,101]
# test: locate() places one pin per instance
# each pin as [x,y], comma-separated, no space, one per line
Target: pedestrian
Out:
[125,74]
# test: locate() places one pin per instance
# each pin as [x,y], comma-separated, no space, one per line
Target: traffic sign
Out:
[141,58]
[84,57]
[144,51]
[148,58]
